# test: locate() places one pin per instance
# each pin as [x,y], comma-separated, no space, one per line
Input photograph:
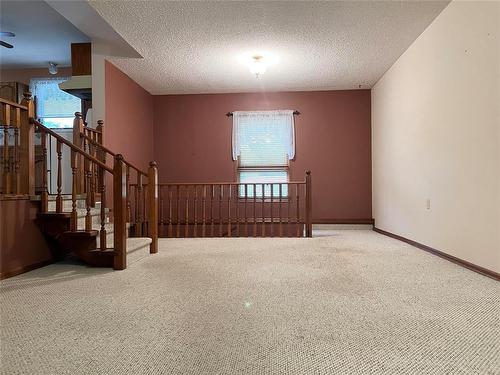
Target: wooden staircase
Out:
[56,227]
[94,220]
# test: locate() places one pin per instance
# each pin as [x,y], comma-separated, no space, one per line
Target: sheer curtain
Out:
[263,137]
[52,102]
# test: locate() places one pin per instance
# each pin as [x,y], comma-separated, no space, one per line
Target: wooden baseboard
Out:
[342,221]
[20,270]
[483,271]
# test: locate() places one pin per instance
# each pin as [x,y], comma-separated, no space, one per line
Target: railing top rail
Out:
[13,104]
[71,145]
[88,128]
[224,183]
[105,149]
[97,144]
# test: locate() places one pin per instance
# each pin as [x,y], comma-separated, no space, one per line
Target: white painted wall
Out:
[436,135]
[98,87]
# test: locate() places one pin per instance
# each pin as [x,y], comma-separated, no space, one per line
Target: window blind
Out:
[53,103]
[263,138]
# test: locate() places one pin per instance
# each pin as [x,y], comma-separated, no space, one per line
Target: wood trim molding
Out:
[23,269]
[342,221]
[473,267]
[8,197]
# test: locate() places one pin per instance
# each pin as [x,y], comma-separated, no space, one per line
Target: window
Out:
[263,144]
[54,107]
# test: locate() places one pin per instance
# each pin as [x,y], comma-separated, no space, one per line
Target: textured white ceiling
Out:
[42,35]
[193,47]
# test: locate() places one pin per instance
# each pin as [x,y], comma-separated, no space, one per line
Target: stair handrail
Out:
[107,150]
[90,167]
[39,125]
[91,140]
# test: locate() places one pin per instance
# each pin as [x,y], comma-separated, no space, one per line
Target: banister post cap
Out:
[78,114]
[100,122]
[153,164]
[119,157]
[308,173]
[27,95]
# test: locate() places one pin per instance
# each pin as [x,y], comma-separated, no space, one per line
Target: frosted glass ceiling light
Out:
[257,67]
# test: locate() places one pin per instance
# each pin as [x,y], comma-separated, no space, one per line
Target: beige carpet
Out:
[355,302]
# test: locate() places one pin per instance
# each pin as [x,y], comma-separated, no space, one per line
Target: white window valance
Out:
[266,135]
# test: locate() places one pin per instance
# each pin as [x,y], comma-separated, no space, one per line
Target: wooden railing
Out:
[16,147]
[233,209]
[80,160]
[81,166]
[143,201]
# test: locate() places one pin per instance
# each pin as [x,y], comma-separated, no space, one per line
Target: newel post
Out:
[153,206]
[78,142]
[119,214]
[27,146]
[308,204]
[100,129]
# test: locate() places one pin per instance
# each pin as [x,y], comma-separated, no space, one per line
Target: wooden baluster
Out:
[212,193]
[221,196]
[195,228]
[59,200]
[297,198]
[44,196]
[138,206]
[88,195]
[93,171]
[272,218]
[17,159]
[100,129]
[133,198]
[119,214]
[74,183]
[289,205]
[127,187]
[27,147]
[162,212]
[102,189]
[245,210]
[153,207]
[254,210]
[6,157]
[279,207]
[238,191]
[145,210]
[186,229]
[229,211]
[203,228]
[308,204]
[178,211]
[263,211]
[169,190]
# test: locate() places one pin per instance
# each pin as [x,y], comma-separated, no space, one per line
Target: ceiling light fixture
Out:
[257,66]
[52,68]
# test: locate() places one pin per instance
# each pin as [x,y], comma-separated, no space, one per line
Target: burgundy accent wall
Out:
[22,245]
[192,143]
[128,127]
